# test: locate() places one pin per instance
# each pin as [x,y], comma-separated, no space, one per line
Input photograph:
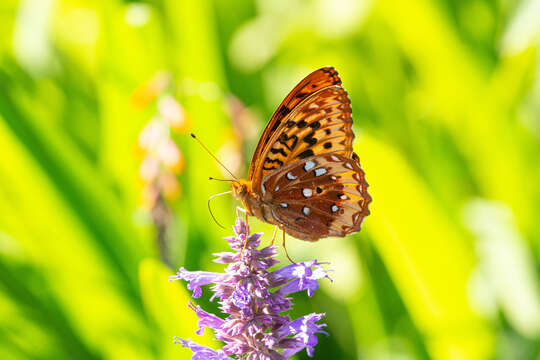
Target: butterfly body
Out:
[304,176]
[254,204]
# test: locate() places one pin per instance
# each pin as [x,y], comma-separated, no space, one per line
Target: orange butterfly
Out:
[304,176]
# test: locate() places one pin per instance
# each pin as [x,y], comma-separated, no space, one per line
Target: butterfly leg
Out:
[239,210]
[274,235]
[285,248]
[247,229]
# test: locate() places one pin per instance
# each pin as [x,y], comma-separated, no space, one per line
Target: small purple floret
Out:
[240,297]
[196,279]
[254,300]
[201,352]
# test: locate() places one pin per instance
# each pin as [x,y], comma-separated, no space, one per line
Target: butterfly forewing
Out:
[321,124]
[319,79]
[323,195]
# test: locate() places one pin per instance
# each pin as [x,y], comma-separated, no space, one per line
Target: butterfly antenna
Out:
[210,208]
[229,180]
[212,155]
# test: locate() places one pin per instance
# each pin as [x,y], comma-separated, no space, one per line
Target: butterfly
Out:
[304,176]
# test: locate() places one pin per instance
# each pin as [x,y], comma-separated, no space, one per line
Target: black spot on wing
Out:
[284,140]
[278,151]
[284,110]
[310,139]
[272,161]
[306,153]
[276,125]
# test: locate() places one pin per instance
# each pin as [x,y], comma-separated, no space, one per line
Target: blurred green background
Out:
[446,101]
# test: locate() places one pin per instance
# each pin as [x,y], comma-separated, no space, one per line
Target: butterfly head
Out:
[241,188]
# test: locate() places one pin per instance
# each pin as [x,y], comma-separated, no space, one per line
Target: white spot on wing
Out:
[320,171]
[333,177]
[334,157]
[309,165]
[284,205]
[334,208]
[344,197]
[305,210]
[348,166]
[263,189]
[307,192]
[290,176]
[277,188]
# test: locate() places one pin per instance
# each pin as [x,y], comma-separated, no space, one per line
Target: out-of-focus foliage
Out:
[446,107]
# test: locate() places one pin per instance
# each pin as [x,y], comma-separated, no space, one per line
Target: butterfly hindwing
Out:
[319,196]
[317,80]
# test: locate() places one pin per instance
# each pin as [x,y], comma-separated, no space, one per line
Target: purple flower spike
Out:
[253,299]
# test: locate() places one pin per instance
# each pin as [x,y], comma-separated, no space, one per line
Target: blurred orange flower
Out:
[147,92]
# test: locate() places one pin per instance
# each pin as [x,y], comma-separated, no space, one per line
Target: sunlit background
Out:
[103,193]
